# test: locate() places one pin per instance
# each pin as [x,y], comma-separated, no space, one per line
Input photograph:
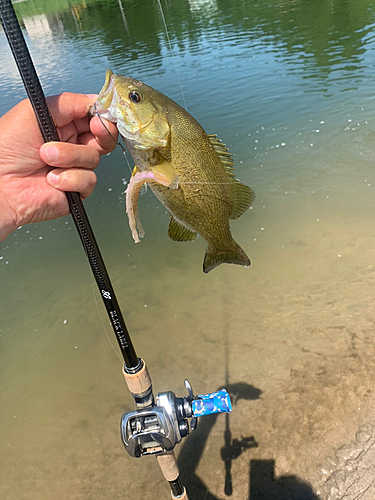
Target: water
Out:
[288,86]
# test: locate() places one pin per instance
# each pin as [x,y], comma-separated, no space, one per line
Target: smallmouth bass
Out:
[189,171]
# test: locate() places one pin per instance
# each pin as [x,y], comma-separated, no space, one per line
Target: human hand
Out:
[33,175]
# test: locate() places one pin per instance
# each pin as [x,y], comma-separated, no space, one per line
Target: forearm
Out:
[8,222]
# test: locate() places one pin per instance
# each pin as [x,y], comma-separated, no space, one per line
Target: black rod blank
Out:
[47,127]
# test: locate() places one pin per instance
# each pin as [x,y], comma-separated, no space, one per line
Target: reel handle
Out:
[216,402]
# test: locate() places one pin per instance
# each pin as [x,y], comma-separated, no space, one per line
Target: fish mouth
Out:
[107,82]
[112,107]
[107,100]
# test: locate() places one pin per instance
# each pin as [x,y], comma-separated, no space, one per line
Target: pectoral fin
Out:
[167,175]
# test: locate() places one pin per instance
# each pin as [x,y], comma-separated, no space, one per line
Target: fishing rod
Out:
[157,424]
[48,130]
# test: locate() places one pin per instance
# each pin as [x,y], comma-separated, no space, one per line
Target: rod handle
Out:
[184,496]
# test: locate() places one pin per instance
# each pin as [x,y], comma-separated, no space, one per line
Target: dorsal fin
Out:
[223,153]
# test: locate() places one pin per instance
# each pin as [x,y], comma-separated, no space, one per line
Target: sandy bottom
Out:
[293,335]
[292,339]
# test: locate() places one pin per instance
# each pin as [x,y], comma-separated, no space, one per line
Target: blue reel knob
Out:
[216,402]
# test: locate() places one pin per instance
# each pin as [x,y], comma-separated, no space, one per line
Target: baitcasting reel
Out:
[160,427]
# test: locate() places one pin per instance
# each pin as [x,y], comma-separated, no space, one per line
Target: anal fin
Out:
[179,232]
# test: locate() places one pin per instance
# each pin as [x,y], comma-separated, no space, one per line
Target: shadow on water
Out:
[193,448]
[263,484]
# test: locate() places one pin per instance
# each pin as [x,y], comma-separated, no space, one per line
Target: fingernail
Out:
[52,153]
[53,178]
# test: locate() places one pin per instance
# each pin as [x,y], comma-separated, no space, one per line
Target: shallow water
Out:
[288,86]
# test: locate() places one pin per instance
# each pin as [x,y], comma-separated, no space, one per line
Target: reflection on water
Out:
[288,86]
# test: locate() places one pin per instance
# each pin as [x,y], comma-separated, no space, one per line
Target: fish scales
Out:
[205,192]
[190,172]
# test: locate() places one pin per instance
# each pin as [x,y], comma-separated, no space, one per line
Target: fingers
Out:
[67,155]
[77,180]
[105,133]
[70,114]
[67,107]
[82,140]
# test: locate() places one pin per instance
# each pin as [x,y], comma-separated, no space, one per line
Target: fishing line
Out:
[208,182]
[123,16]
[105,126]
[174,55]
[127,161]
[124,151]
[92,279]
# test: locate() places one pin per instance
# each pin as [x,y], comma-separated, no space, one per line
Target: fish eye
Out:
[135,96]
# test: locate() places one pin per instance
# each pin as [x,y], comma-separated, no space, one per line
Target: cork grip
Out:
[138,383]
[168,464]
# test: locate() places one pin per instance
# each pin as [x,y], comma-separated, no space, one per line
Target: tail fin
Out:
[231,255]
